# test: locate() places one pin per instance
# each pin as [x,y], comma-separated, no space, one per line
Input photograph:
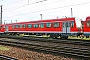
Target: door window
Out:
[88,23]
[72,23]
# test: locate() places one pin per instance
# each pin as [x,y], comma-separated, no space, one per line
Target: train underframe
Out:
[51,35]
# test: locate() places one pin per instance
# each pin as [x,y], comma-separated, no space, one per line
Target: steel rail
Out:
[68,41]
[69,51]
[3,57]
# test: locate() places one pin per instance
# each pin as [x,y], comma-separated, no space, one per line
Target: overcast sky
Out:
[30,10]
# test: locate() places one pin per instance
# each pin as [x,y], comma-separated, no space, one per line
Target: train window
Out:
[72,23]
[13,26]
[20,26]
[68,24]
[56,24]
[29,25]
[48,25]
[0,27]
[82,24]
[17,26]
[42,25]
[88,23]
[64,24]
[35,25]
[24,25]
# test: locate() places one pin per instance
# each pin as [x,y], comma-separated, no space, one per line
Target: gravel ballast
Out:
[22,54]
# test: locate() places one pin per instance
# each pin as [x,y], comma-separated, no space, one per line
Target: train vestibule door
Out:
[6,28]
[66,27]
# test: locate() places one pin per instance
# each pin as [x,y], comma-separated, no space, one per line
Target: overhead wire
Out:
[52,8]
[24,5]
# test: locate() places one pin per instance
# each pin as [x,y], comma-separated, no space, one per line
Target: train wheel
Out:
[82,36]
[64,37]
[87,36]
[52,36]
[55,37]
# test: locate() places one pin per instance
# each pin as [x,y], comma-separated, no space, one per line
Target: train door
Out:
[6,28]
[66,27]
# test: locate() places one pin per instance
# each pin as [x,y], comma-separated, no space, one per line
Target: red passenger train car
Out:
[86,26]
[62,27]
[2,29]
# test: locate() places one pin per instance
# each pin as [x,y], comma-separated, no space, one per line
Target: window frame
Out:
[13,26]
[21,26]
[89,23]
[48,26]
[24,25]
[72,24]
[16,26]
[41,25]
[30,26]
[56,26]
[35,26]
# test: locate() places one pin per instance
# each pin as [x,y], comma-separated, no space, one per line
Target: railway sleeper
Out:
[43,49]
[48,48]
[68,48]
[86,51]
[55,50]
[80,53]
[84,48]
[81,50]
[33,46]
[81,56]
[61,47]
[68,53]
[38,48]
[61,52]
[84,56]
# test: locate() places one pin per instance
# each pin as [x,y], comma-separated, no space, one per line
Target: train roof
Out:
[48,20]
[88,18]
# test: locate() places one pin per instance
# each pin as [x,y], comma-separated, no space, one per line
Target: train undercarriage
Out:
[49,35]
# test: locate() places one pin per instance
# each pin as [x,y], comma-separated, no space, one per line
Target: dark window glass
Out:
[72,23]
[48,25]
[35,25]
[24,25]
[68,24]
[13,26]
[88,23]
[82,24]
[20,26]
[64,25]
[56,24]
[29,25]
[42,25]
[17,26]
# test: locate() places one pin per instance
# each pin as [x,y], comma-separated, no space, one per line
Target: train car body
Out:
[2,29]
[86,27]
[54,27]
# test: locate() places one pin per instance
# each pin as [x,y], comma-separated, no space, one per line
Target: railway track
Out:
[83,53]
[3,57]
[68,41]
